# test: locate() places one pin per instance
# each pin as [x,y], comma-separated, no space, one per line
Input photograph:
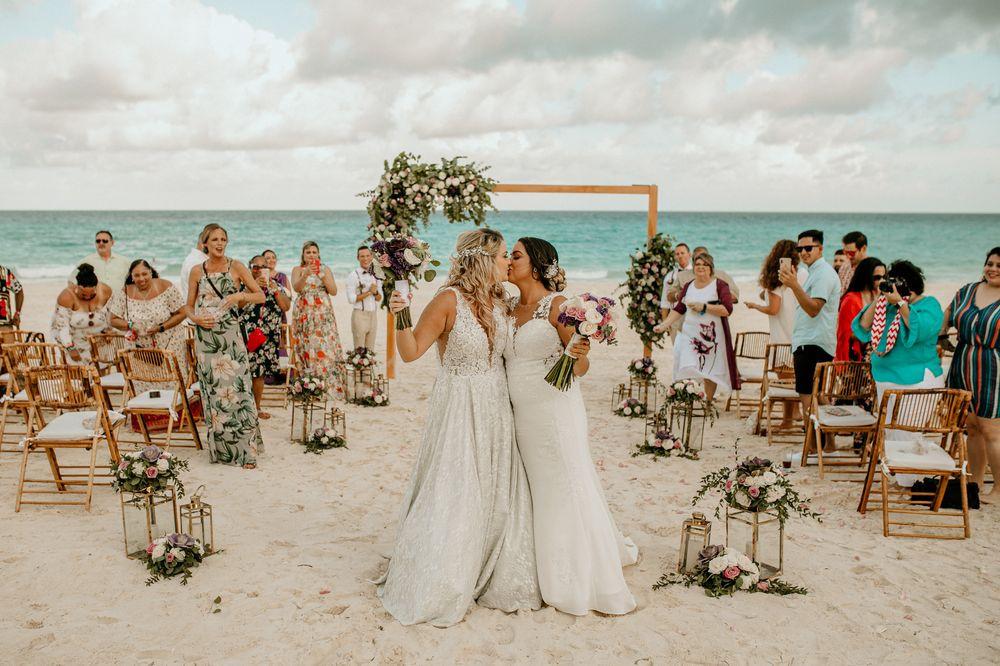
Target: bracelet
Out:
[161,329]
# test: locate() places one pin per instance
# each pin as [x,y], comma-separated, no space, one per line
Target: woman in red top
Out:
[861,291]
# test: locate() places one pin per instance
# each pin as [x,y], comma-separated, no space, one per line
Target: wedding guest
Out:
[110,268]
[855,251]
[148,309]
[838,260]
[215,289]
[11,299]
[266,317]
[671,287]
[975,312]
[364,291]
[194,258]
[685,276]
[704,347]
[860,293]
[271,259]
[814,334]
[317,341]
[779,305]
[81,311]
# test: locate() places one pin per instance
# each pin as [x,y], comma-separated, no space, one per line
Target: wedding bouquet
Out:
[376,397]
[399,262]
[631,407]
[722,570]
[756,485]
[307,388]
[642,368]
[664,444]
[322,439]
[591,317]
[148,470]
[172,555]
[361,358]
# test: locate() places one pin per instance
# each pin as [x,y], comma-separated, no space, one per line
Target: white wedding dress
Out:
[465,530]
[578,548]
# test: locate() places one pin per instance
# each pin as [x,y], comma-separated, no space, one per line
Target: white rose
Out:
[594,316]
[717,565]
[162,464]
[158,551]
[411,258]
[638,365]
[744,562]
[379,399]
[768,478]
[745,582]
[138,468]
[588,328]
[627,411]
[178,554]
[774,493]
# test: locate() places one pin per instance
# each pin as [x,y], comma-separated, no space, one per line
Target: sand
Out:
[304,534]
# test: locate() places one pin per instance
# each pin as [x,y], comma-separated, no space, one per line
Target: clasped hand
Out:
[580,348]
[398,302]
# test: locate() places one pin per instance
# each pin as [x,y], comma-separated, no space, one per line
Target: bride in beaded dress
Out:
[465,531]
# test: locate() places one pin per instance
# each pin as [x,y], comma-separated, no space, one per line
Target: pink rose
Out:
[763,586]
[122,465]
[149,548]
[152,472]
[731,572]
[754,491]
[170,558]
[677,443]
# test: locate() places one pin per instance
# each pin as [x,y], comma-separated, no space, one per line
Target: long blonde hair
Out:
[306,246]
[474,274]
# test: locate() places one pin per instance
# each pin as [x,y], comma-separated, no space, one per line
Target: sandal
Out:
[263,415]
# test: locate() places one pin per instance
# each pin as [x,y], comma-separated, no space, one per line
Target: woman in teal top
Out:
[902,327]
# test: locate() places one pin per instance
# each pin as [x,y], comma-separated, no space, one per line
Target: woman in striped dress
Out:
[975,312]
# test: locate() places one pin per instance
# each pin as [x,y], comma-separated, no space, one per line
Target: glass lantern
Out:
[618,394]
[147,516]
[337,421]
[381,384]
[695,537]
[687,421]
[310,415]
[196,521]
[760,535]
[643,390]
[359,382]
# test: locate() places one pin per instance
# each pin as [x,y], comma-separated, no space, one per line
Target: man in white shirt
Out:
[364,292]
[110,268]
[195,257]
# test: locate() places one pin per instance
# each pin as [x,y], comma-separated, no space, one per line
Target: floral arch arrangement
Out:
[643,285]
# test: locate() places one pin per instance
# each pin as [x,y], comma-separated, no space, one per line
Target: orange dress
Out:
[317,342]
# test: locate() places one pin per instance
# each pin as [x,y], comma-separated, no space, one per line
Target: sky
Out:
[765,105]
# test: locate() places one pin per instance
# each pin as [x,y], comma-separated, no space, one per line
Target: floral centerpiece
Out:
[642,368]
[684,391]
[376,397]
[723,571]
[631,407]
[756,485]
[307,389]
[643,286]
[361,358]
[591,317]
[664,444]
[322,439]
[172,555]
[399,262]
[148,470]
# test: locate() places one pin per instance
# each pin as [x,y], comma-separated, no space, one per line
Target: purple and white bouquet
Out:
[664,444]
[322,439]
[631,408]
[307,389]
[172,555]
[361,358]
[149,469]
[590,316]
[723,571]
[376,397]
[756,485]
[399,262]
[642,368]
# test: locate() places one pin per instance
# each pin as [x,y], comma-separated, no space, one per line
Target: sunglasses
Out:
[102,241]
[257,268]
[806,248]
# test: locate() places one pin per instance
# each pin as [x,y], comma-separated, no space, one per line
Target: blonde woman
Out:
[465,534]
[317,342]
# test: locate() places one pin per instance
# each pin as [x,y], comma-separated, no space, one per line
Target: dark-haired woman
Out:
[579,551]
[975,312]
[861,292]
[149,309]
[779,305]
[81,311]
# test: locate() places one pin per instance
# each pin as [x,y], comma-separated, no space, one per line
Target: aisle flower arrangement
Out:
[402,261]
[307,389]
[642,368]
[172,555]
[644,284]
[688,393]
[361,358]
[375,397]
[322,439]
[590,316]
[631,408]
[148,470]
[664,444]
[722,571]
[756,485]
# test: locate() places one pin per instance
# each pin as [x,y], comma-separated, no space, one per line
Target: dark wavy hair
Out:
[994,252]
[140,262]
[85,276]
[864,275]
[542,254]
[909,274]
[768,279]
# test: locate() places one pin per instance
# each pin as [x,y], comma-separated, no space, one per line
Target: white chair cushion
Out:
[20,396]
[113,380]
[917,454]
[781,392]
[856,416]
[195,388]
[75,425]
[4,378]
[164,402]
[283,362]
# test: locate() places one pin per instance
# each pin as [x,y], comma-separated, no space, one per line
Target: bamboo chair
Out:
[841,391]
[104,348]
[777,388]
[83,423]
[19,358]
[158,367]
[276,395]
[935,419]
[751,346]
[12,336]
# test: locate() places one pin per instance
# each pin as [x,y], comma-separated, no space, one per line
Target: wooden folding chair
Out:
[777,388]
[14,335]
[104,348]
[751,348]
[171,401]
[287,363]
[920,432]
[843,393]
[83,422]
[19,358]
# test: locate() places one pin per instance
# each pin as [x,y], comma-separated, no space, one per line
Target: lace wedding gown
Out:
[578,548]
[465,530]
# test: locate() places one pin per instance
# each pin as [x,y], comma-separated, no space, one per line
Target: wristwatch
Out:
[160,328]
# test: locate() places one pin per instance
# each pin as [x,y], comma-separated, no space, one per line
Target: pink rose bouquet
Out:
[148,470]
[590,316]
[172,555]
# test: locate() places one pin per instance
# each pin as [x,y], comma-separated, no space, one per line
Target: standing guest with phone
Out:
[364,291]
[861,292]
[262,324]
[314,325]
[216,289]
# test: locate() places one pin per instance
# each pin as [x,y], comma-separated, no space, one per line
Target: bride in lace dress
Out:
[579,550]
[465,531]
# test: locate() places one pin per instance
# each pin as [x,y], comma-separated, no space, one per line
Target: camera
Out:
[889,282]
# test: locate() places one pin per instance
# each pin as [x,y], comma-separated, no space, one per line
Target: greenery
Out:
[172,555]
[323,439]
[643,285]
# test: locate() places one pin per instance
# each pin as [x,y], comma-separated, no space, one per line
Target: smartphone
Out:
[154,394]
[785,263]
[266,274]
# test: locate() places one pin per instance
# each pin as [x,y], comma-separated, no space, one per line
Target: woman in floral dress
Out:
[317,343]
[214,293]
[267,317]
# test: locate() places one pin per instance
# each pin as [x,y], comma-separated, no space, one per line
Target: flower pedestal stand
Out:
[310,414]
[761,537]
[147,516]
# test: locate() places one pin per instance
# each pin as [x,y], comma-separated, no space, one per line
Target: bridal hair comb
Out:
[552,270]
[472,252]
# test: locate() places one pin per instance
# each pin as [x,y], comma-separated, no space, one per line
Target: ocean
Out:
[591,244]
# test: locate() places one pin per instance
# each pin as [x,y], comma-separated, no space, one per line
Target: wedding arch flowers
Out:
[643,285]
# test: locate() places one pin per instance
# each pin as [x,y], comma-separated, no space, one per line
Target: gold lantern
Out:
[761,537]
[359,382]
[643,389]
[695,537]
[196,521]
[308,412]
[619,393]
[687,421]
[337,421]
[147,516]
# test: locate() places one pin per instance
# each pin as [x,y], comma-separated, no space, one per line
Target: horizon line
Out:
[513,210]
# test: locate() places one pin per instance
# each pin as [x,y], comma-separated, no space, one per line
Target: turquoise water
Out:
[592,245]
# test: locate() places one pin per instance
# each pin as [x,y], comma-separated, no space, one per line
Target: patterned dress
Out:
[268,317]
[317,342]
[976,365]
[224,372]
[74,327]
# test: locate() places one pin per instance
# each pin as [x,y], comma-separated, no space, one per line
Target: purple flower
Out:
[181,540]
[151,453]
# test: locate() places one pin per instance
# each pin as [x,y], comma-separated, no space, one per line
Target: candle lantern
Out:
[359,382]
[695,537]
[147,516]
[761,537]
[337,421]
[196,521]
[643,389]
[310,414]
[687,421]
[380,387]
[618,394]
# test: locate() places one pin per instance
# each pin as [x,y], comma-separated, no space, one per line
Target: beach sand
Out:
[303,536]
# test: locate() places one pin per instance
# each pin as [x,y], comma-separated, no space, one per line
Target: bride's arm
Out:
[580,349]
[436,319]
